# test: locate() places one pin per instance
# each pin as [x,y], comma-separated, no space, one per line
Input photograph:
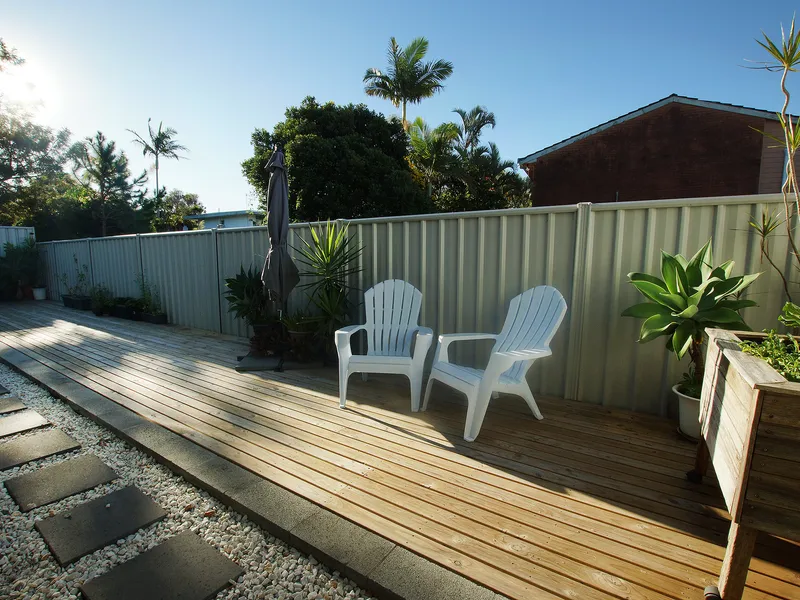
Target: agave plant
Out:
[690,296]
[247,297]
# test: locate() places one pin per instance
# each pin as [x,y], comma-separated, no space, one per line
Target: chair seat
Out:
[468,375]
[372,359]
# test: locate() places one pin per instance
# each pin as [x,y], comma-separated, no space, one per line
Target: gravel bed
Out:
[28,570]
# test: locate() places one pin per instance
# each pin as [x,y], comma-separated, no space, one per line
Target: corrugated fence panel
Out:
[468,267]
[183,267]
[237,248]
[15,236]
[71,266]
[615,371]
[116,264]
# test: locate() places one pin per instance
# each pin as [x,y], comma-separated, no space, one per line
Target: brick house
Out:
[677,147]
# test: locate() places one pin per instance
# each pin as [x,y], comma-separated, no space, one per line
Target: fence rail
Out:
[468,266]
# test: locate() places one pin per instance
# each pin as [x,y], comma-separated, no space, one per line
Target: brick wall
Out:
[773,160]
[677,151]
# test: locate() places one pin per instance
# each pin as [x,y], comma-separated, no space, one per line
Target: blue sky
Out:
[217,70]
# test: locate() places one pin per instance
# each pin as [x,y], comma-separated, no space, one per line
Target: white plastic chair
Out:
[392,310]
[532,321]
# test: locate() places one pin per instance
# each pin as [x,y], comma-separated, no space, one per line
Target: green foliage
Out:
[149,295]
[247,297]
[342,162]
[690,296]
[299,321]
[781,353]
[459,172]
[166,212]
[105,175]
[9,56]
[784,58]
[160,143]
[329,260]
[690,384]
[408,78]
[27,151]
[790,315]
[102,299]
[81,279]
[20,267]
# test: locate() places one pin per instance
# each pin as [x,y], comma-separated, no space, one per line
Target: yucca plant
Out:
[690,296]
[329,261]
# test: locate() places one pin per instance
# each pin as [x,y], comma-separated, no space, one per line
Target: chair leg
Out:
[476,411]
[416,391]
[343,376]
[527,394]
[427,393]
[495,395]
[364,376]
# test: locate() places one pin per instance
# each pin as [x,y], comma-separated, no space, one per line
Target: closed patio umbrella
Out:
[280,274]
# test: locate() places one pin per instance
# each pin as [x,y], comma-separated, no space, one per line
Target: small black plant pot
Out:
[122,312]
[155,318]
[98,312]
[82,302]
[67,300]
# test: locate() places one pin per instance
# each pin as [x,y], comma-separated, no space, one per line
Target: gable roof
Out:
[674,98]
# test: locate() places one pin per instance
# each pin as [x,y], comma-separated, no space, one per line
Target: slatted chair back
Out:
[392,309]
[532,321]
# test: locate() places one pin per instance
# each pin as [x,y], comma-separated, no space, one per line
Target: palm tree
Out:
[432,149]
[407,78]
[161,143]
[472,124]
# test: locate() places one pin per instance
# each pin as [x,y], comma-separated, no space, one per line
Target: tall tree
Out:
[472,125]
[342,162]
[408,78]
[27,151]
[105,173]
[167,212]
[432,150]
[162,143]
[9,56]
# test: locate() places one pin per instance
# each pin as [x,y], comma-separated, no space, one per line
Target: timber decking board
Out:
[589,501]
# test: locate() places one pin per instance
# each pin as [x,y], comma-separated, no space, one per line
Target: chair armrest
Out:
[342,337]
[525,354]
[422,343]
[448,338]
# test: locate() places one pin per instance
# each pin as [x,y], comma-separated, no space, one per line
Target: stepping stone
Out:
[35,446]
[21,421]
[98,523]
[183,567]
[3,390]
[59,481]
[9,405]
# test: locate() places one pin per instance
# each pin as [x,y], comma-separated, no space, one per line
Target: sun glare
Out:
[31,88]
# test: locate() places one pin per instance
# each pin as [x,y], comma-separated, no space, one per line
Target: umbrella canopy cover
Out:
[280,274]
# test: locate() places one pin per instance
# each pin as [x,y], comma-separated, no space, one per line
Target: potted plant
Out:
[21,269]
[328,262]
[122,308]
[102,300]
[300,327]
[690,296]
[77,296]
[248,299]
[151,303]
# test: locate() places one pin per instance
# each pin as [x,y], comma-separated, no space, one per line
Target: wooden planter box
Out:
[750,423]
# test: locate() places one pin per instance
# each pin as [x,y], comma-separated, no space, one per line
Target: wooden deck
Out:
[588,503]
